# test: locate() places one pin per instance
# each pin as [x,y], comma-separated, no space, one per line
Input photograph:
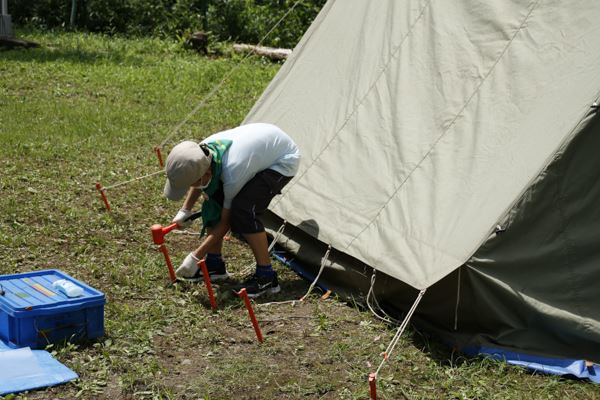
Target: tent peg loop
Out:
[323,262]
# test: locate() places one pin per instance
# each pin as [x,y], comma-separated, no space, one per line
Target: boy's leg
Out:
[251,202]
[260,247]
[216,247]
[214,260]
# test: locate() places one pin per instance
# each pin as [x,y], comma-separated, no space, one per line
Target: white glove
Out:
[188,267]
[181,217]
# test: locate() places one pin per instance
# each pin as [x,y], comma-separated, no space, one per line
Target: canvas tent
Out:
[451,146]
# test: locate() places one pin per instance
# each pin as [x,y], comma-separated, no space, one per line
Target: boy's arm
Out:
[186,209]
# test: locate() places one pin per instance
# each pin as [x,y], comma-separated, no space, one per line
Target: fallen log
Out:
[11,43]
[272,53]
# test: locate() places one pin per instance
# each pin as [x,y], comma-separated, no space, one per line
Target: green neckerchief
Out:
[211,209]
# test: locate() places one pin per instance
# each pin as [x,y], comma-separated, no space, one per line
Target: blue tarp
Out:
[297,267]
[30,369]
[546,365]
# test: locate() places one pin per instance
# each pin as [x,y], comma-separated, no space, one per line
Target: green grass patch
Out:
[85,108]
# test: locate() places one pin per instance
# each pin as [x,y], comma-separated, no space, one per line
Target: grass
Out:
[86,108]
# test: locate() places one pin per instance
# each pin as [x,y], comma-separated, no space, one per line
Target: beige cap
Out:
[186,164]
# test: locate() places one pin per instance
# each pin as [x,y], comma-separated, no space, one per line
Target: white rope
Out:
[323,262]
[227,75]
[400,330]
[133,180]
[385,318]
[292,302]
[186,233]
[457,301]
[206,98]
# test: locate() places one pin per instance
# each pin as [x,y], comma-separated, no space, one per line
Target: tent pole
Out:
[5,21]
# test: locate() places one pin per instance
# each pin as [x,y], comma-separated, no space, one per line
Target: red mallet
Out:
[373,385]
[102,192]
[244,295]
[160,160]
[158,232]
[158,235]
[209,289]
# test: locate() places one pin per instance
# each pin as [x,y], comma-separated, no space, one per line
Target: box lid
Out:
[32,293]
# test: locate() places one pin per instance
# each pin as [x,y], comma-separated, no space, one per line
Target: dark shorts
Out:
[253,200]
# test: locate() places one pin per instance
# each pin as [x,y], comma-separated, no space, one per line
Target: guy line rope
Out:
[386,354]
[102,190]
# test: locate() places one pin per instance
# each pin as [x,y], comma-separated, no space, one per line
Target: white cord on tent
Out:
[323,262]
[276,237]
[400,330]
[133,180]
[381,308]
[385,318]
[227,75]
[457,301]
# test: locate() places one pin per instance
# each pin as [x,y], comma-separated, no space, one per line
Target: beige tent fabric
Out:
[422,122]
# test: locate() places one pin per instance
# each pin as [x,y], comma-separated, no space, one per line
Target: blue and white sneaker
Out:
[259,285]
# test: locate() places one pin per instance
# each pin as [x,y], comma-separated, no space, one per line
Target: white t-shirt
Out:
[255,147]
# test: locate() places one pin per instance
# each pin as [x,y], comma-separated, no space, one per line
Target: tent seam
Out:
[383,70]
[296,52]
[443,134]
[566,240]
[570,254]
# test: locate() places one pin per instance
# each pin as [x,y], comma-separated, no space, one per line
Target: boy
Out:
[240,171]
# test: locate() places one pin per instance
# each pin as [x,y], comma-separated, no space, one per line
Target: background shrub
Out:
[246,21]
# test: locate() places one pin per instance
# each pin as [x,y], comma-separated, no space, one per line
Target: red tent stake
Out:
[373,385]
[165,252]
[102,192]
[160,160]
[211,295]
[244,295]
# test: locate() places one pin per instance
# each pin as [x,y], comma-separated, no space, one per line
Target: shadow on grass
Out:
[435,349]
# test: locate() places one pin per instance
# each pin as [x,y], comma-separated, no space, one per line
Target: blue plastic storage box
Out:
[33,313]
